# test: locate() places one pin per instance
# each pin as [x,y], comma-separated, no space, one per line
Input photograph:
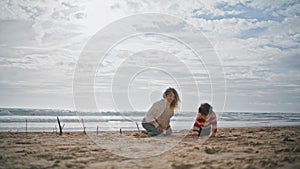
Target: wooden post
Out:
[55,130]
[60,127]
[97,129]
[137,125]
[26,127]
[83,126]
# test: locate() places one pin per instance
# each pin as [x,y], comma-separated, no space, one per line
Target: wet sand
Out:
[250,148]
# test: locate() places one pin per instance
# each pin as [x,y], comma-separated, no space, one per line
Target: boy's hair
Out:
[204,109]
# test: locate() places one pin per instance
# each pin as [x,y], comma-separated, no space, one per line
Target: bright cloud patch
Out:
[257,42]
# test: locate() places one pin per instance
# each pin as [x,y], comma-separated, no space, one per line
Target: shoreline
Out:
[135,130]
[247,147]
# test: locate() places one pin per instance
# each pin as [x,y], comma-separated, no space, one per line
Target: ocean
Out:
[45,120]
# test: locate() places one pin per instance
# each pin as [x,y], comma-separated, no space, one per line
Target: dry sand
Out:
[267,147]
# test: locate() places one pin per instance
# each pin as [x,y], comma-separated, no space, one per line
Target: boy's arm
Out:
[198,125]
[214,124]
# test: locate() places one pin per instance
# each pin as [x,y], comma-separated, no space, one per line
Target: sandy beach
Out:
[261,147]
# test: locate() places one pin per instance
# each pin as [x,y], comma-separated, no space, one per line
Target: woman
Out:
[157,119]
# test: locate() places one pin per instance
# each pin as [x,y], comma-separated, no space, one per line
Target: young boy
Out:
[206,121]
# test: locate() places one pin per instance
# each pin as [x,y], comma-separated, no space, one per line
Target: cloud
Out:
[12,32]
[256,41]
[40,42]
[251,33]
[32,33]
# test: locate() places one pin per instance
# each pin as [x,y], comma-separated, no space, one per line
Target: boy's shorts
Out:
[205,132]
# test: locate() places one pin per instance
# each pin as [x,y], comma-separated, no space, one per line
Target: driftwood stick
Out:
[60,127]
[137,125]
[55,130]
[97,130]
[83,126]
[26,127]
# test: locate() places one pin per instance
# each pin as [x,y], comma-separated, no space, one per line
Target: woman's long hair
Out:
[174,103]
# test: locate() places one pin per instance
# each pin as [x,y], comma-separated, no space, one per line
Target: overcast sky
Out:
[257,44]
